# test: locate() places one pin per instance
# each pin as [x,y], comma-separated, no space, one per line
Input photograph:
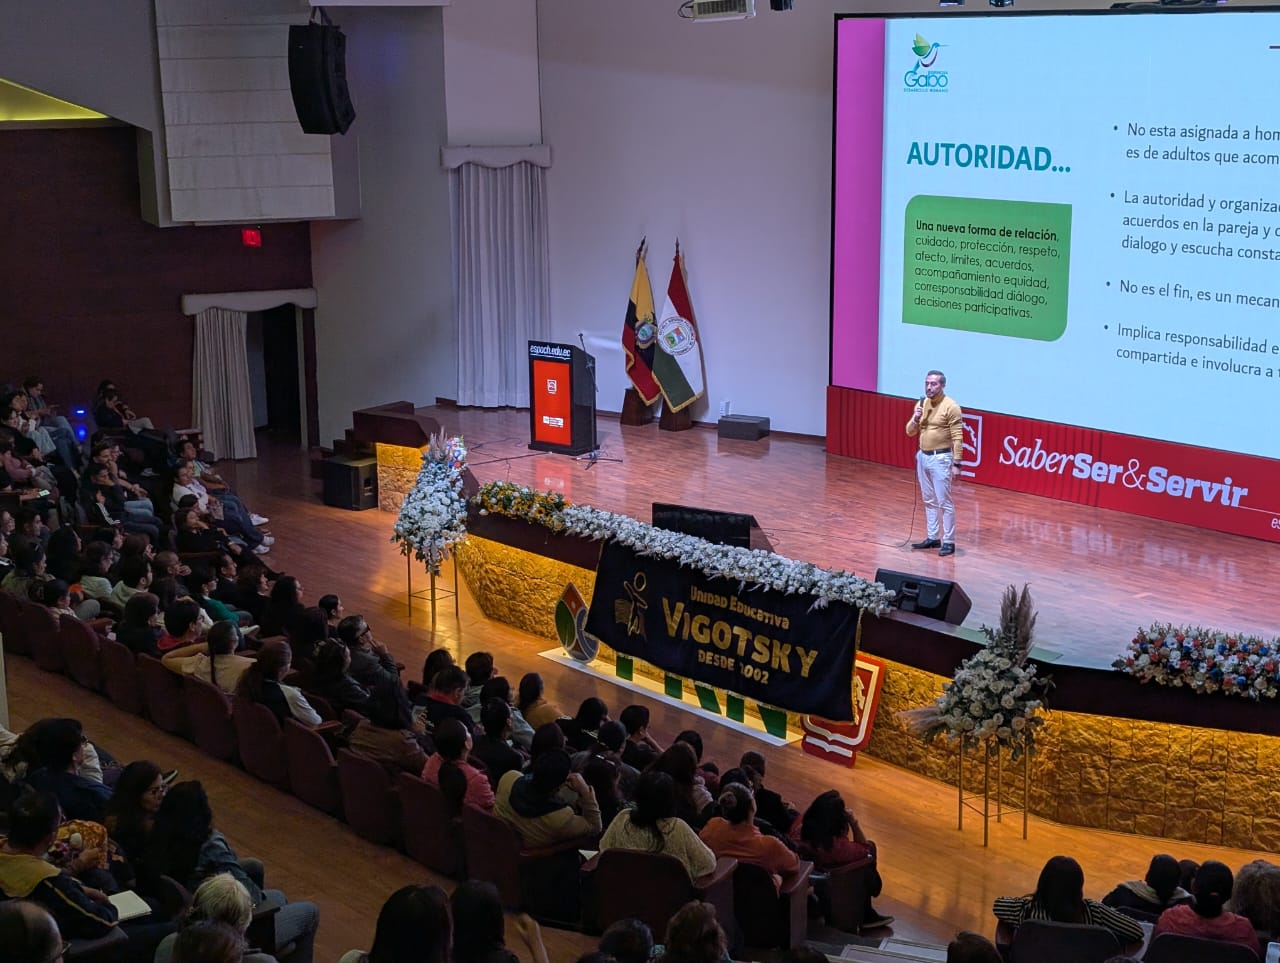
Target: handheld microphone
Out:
[581,341]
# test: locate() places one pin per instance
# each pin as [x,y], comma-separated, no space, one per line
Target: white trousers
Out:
[934,474]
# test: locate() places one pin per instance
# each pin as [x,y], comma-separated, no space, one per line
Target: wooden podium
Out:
[562,399]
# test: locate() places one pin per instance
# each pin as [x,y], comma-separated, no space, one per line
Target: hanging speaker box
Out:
[318,78]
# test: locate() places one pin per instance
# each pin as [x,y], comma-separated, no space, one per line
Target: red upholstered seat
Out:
[430,836]
[162,690]
[209,713]
[652,886]
[81,652]
[850,890]
[1039,941]
[261,743]
[40,628]
[370,801]
[10,625]
[313,775]
[120,677]
[769,918]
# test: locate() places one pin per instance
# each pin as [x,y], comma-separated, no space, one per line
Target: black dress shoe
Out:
[948,548]
[927,543]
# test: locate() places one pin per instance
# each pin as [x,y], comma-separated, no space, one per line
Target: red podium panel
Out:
[562,410]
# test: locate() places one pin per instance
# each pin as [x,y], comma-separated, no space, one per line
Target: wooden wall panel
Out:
[88,290]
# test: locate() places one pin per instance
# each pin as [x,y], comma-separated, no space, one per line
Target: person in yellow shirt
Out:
[938,423]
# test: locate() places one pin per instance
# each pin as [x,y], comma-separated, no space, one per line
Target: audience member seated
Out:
[59,753]
[28,933]
[62,555]
[828,835]
[237,524]
[201,581]
[628,941]
[81,912]
[206,942]
[492,745]
[528,802]
[1256,896]
[95,564]
[306,632]
[131,811]
[653,827]
[443,697]
[217,487]
[601,775]
[692,799]
[219,900]
[112,413]
[334,613]
[284,608]
[453,744]
[972,948]
[734,833]
[331,679]
[1205,916]
[55,595]
[252,593]
[641,748]
[395,749]
[436,660]
[28,572]
[214,660]
[413,927]
[694,936]
[478,927]
[134,574]
[104,501]
[1154,894]
[581,732]
[499,687]
[139,630]
[1059,897]
[195,534]
[770,805]
[181,624]
[372,664]
[708,772]
[480,669]
[546,738]
[611,738]
[531,703]
[261,683]
[184,845]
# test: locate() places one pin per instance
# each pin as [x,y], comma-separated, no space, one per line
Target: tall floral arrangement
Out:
[995,697]
[1204,660]
[433,517]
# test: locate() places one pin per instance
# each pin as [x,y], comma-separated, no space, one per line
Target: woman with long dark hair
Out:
[414,926]
[532,704]
[653,827]
[284,607]
[184,845]
[1059,897]
[214,660]
[261,683]
[131,811]
[829,836]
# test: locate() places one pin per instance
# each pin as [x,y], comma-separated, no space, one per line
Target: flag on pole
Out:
[677,364]
[640,332]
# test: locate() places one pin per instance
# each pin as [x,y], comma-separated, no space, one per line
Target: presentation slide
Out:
[1076,217]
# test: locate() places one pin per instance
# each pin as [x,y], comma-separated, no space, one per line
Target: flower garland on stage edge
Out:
[750,568]
[1204,661]
[994,698]
[433,517]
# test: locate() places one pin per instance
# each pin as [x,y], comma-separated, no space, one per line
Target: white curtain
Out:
[222,407]
[501,275]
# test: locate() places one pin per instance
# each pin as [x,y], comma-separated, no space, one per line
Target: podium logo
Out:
[552,386]
[924,76]
[972,426]
[551,422]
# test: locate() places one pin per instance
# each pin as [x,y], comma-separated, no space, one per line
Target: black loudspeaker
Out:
[935,597]
[351,483]
[318,78]
[723,528]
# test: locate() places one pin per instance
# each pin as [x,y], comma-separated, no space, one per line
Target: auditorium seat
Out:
[1040,941]
[209,714]
[40,628]
[767,917]
[11,623]
[849,889]
[261,743]
[313,775]
[651,887]
[81,652]
[120,677]
[370,802]
[430,836]
[162,691]
[1175,948]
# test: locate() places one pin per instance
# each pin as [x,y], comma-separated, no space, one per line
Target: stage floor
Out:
[1096,575]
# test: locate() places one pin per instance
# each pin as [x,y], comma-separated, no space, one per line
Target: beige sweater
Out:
[678,840]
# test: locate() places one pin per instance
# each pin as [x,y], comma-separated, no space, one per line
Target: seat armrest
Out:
[725,866]
[796,880]
[578,842]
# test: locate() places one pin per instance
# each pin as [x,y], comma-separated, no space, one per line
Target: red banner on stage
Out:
[1220,490]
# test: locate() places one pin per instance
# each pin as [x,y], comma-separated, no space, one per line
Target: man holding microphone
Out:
[937,420]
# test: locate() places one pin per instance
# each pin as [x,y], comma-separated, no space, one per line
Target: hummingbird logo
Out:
[926,53]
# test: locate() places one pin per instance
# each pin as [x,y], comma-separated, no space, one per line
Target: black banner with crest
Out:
[761,644]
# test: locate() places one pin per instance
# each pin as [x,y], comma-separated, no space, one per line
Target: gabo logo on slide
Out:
[923,76]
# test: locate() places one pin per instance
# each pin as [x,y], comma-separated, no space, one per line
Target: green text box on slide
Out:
[992,266]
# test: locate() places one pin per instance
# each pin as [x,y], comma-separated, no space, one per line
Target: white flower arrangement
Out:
[995,697]
[750,568]
[433,517]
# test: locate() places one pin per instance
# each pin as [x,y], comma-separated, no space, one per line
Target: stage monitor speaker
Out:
[318,78]
[351,483]
[934,597]
[723,528]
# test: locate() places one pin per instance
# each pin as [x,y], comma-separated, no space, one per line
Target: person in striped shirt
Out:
[1059,897]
